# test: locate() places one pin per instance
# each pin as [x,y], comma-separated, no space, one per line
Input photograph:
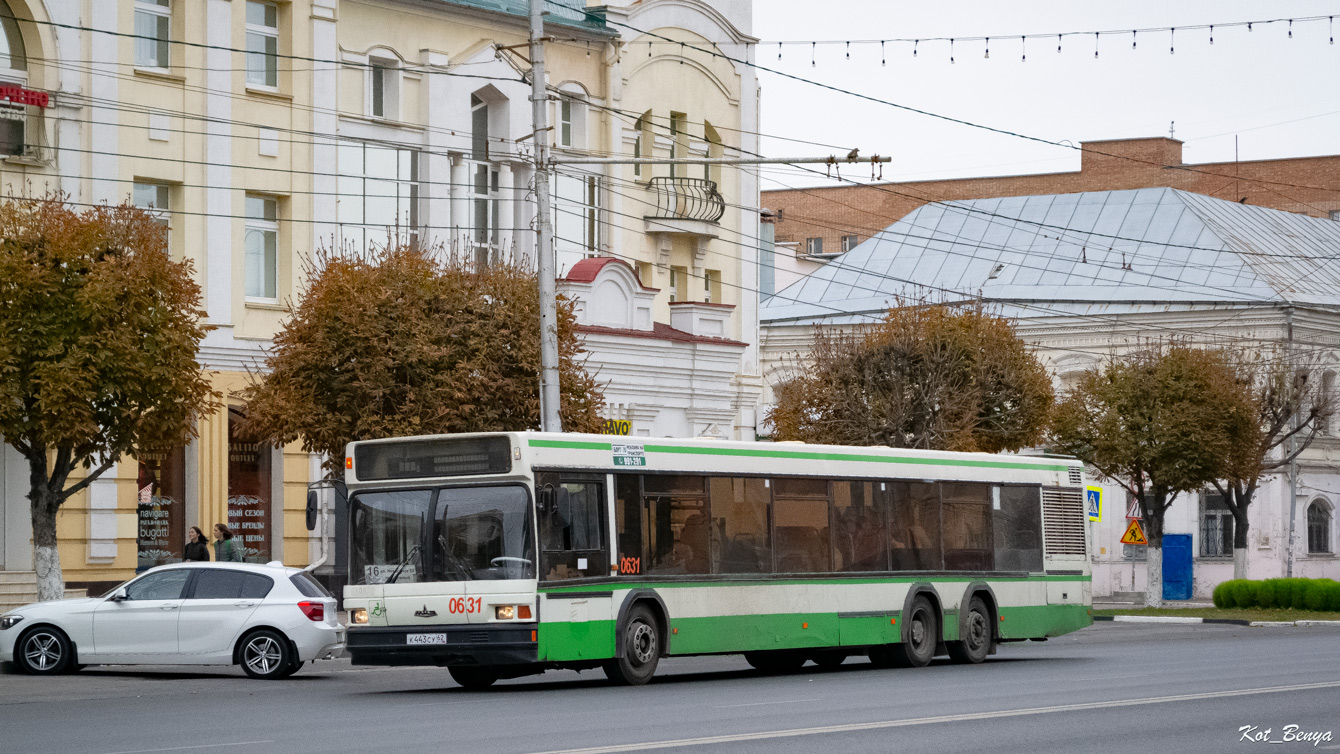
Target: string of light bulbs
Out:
[955,44]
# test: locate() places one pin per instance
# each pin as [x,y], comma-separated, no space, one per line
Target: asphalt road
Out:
[1109,687]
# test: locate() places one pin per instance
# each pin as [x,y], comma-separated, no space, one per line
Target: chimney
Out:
[1130,154]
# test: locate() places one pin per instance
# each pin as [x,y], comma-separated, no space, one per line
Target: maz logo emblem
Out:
[425,613]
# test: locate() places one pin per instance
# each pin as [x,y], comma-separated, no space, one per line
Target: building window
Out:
[154,197]
[849,243]
[644,273]
[712,286]
[679,284]
[715,150]
[383,88]
[1216,526]
[249,491]
[1318,527]
[642,142]
[152,21]
[1335,214]
[12,54]
[378,195]
[679,135]
[262,44]
[577,220]
[814,246]
[1327,393]
[160,507]
[486,229]
[262,248]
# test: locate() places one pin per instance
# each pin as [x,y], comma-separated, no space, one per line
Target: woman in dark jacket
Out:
[196,547]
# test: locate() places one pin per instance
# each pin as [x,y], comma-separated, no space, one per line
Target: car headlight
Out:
[9,621]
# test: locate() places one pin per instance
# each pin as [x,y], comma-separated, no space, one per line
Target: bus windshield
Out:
[453,534]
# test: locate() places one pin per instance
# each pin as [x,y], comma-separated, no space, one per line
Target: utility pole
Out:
[550,419]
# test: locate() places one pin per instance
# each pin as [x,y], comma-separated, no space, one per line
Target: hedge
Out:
[1298,594]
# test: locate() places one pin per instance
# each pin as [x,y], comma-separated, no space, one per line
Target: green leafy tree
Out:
[99,331]
[927,376]
[1158,421]
[409,340]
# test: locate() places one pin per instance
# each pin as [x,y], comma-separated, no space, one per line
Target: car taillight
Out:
[313,610]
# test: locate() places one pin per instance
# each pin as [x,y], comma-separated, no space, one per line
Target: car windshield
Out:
[453,534]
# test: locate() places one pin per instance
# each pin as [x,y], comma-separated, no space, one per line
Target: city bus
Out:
[507,554]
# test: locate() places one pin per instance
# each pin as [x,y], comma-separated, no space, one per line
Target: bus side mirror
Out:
[313,506]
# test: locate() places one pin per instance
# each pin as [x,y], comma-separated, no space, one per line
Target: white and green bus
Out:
[507,554]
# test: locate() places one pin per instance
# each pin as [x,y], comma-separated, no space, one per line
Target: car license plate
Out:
[425,638]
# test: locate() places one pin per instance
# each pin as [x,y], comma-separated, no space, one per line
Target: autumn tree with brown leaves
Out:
[1160,420]
[99,331]
[407,341]
[1290,407]
[929,376]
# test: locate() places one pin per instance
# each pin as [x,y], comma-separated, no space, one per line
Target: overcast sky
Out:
[1280,95]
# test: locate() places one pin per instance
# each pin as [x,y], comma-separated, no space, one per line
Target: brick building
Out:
[820,222]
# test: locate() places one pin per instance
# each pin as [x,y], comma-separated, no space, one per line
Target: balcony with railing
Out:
[692,199]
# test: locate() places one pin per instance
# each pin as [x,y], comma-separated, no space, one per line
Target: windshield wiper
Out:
[396,573]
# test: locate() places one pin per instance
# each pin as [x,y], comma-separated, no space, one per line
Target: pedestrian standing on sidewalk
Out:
[196,547]
[225,549]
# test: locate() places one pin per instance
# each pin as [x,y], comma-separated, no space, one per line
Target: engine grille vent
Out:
[479,637]
[1076,475]
[1063,521]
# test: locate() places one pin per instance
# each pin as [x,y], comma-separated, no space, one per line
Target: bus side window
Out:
[800,514]
[967,526]
[914,536]
[677,518]
[740,526]
[1018,529]
[860,531]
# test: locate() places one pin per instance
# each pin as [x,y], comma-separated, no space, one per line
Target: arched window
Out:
[572,117]
[383,93]
[12,54]
[485,195]
[1319,527]
[642,143]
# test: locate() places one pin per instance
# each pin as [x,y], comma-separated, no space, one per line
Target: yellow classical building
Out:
[261,130]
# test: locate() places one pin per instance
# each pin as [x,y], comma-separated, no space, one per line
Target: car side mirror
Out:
[119,595]
[313,505]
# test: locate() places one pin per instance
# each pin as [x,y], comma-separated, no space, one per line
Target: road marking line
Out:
[760,704]
[185,748]
[850,727]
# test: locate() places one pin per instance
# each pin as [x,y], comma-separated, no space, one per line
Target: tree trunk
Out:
[1154,576]
[46,556]
[1240,534]
[1239,562]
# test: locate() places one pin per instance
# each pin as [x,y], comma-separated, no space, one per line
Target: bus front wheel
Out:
[923,633]
[473,677]
[636,663]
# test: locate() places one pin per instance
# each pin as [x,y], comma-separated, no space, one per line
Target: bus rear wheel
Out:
[473,677]
[636,664]
[975,644]
[923,633]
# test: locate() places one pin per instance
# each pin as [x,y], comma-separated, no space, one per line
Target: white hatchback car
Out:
[269,619]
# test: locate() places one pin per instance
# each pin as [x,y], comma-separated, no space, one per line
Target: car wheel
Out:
[265,654]
[43,651]
[473,678]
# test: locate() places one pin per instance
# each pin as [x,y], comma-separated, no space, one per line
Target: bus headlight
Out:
[504,612]
[358,615]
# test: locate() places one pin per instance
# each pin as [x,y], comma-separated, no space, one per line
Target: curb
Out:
[1220,621]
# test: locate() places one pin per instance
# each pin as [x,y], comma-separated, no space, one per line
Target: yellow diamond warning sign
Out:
[1134,534]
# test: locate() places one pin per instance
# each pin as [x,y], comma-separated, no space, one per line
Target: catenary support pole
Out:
[550,420]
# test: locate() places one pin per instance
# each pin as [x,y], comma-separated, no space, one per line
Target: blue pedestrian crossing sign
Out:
[1093,502]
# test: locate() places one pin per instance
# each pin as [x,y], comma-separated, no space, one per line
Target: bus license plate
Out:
[425,638]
